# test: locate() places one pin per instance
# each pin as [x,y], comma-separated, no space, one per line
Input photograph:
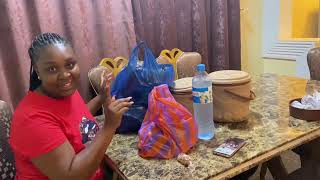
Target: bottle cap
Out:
[201,67]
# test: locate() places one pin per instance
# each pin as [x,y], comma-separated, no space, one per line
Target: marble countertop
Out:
[268,126]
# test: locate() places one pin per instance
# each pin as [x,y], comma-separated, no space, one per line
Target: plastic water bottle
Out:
[202,103]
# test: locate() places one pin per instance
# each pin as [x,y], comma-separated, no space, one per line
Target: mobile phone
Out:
[229,147]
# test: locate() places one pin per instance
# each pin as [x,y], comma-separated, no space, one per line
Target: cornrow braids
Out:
[34,51]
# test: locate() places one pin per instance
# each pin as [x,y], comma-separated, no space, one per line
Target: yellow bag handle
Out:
[115,65]
[172,57]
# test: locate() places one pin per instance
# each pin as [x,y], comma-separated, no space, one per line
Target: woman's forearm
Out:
[95,104]
[62,163]
[88,160]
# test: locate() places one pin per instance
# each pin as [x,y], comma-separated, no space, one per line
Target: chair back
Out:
[7,164]
[108,65]
[184,63]
[313,59]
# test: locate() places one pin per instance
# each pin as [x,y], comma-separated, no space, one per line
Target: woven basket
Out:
[231,95]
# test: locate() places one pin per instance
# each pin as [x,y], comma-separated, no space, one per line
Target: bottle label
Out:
[202,95]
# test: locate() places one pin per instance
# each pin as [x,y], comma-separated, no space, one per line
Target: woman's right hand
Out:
[114,108]
[114,111]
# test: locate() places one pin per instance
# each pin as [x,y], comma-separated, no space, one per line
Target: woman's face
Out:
[58,70]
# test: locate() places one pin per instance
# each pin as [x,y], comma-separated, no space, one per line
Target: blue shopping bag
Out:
[137,81]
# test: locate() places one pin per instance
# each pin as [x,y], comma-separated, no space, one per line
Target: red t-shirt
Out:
[41,124]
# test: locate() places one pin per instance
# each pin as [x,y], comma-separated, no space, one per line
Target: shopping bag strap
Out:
[149,59]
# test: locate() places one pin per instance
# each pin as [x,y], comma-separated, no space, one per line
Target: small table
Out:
[269,131]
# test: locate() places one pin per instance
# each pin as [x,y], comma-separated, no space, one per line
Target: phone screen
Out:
[229,147]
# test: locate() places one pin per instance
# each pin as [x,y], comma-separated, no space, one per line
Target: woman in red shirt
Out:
[52,123]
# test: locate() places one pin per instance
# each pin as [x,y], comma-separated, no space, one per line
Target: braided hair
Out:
[34,51]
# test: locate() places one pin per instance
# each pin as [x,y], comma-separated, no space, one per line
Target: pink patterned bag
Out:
[168,128]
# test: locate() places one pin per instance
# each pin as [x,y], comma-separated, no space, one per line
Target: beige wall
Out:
[251,43]
[285,31]
[251,36]
[283,67]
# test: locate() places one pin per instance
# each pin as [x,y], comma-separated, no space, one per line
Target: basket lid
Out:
[182,84]
[229,77]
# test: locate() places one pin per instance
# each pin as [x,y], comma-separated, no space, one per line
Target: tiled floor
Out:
[290,160]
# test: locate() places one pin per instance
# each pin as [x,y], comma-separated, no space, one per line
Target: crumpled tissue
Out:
[308,102]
